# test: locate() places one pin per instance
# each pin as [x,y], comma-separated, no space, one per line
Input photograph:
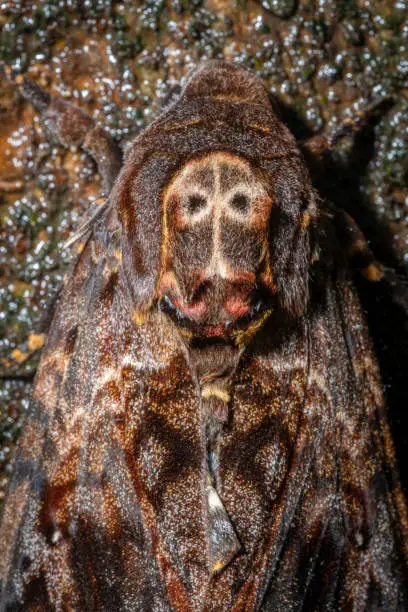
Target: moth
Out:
[208,426]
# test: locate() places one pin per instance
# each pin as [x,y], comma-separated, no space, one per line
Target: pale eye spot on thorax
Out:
[239,192]
[217,185]
[240,202]
[238,189]
[193,188]
[195,203]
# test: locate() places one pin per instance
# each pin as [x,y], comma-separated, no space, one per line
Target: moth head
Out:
[216,273]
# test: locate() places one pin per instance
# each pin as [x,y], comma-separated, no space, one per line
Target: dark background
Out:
[324,61]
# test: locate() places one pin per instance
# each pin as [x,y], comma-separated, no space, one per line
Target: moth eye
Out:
[195,203]
[240,202]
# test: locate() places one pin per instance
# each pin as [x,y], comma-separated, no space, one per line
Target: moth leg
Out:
[320,145]
[361,258]
[355,246]
[72,127]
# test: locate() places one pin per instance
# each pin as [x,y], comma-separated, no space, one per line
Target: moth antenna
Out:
[71,126]
[355,246]
[357,250]
[88,225]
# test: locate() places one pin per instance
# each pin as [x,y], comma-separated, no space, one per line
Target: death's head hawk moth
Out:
[207,429]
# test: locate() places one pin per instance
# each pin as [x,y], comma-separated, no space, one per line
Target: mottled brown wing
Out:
[307,472]
[106,507]
[107,477]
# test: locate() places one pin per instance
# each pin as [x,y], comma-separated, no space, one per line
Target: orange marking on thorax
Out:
[262,208]
[178,126]
[230,98]
[259,128]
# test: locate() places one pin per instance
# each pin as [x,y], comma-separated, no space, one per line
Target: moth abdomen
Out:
[222,537]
